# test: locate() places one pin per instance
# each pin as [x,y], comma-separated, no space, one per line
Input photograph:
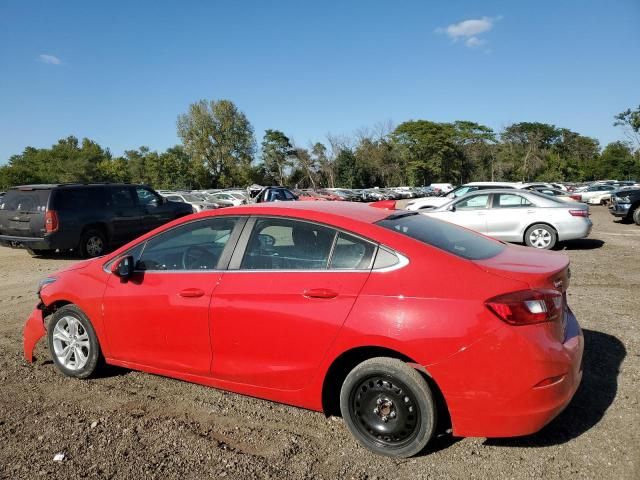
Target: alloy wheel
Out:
[540,238]
[71,343]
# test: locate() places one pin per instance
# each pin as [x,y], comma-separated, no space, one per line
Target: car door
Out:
[283,300]
[127,218]
[470,212]
[154,211]
[509,215]
[160,317]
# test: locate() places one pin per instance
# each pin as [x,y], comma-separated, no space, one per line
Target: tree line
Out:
[219,149]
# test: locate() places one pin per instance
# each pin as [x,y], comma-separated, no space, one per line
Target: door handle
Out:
[191,293]
[320,293]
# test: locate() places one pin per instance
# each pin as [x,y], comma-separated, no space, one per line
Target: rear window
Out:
[80,199]
[26,201]
[445,236]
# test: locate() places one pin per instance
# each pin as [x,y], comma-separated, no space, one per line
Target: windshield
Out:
[191,198]
[443,235]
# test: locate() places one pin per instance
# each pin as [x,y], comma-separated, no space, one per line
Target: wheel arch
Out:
[102,226]
[347,360]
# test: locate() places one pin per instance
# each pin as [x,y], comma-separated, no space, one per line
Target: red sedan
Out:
[387,317]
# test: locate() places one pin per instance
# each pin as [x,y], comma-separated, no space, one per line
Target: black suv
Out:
[88,218]
[626,205]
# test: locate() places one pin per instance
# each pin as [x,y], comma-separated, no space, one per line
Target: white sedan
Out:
[519,216]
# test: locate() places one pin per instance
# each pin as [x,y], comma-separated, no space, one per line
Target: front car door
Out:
[160,316]
[470,212]
[288,290]
[155,211]
[127,218]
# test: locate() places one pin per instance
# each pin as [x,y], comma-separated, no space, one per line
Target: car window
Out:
[25,200]
[79,199]
[509,200]
[473,202]
[175,198]
[443,235]
[351,253]
[283,244]
[122,197]
[146,197]
[193,246]
[460,191]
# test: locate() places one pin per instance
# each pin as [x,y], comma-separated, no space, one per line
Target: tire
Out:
[540,236]
[93,244]
[388,407]
[73,343]
[636,216]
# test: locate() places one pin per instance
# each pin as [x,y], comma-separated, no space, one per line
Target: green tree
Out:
[629,120]
[218,135]
[277,153]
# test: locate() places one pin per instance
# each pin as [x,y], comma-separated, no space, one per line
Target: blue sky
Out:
[120,72]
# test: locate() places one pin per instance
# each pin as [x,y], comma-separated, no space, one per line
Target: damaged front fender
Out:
[33,331]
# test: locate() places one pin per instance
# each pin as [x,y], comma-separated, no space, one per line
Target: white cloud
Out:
[49,59]
[474,42]
[469,30]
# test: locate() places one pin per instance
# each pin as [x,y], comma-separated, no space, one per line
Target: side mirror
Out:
[123,267]
[451,208]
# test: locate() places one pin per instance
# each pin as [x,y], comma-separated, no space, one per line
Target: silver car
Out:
[518,216]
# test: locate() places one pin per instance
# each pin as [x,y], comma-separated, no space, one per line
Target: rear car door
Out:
[509,215]
[288,290]
[160,317]
[22,212]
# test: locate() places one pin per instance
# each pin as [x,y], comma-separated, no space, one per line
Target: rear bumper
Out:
[52,241]
[619,209]
[518,380]
[573,230]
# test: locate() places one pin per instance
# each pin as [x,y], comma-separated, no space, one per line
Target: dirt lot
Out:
[134,425]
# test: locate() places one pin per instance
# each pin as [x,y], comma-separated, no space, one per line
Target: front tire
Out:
[636,215]
[388,407]
[540,236]
[73,342]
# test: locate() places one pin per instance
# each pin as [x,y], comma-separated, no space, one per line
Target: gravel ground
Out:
[134,425]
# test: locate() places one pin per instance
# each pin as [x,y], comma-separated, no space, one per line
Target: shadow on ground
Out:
[582,244]
[602,359]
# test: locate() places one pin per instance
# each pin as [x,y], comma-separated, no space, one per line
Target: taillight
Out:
[576,197]
[527,307]
[579,213]
[51,221]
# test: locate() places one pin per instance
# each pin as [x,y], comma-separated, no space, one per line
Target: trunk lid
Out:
[541,269]
[22,211]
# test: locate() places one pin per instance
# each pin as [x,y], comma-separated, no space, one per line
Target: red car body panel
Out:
[32,333]
[275,335]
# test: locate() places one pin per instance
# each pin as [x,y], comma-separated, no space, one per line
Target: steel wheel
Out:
[388,407]
[385,410]
[71,343]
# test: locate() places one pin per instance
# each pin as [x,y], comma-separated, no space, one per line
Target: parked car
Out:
[625,204]
[325,306]
[275,194]
[555,192]
[442,187]
[198,204]
[596,191]
[227,198]
[433,202]
[88,218]
[519,216]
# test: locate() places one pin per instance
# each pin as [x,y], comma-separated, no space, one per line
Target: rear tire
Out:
[73,342]
[93,244]
[388,407]
[540,236]
[636,216]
